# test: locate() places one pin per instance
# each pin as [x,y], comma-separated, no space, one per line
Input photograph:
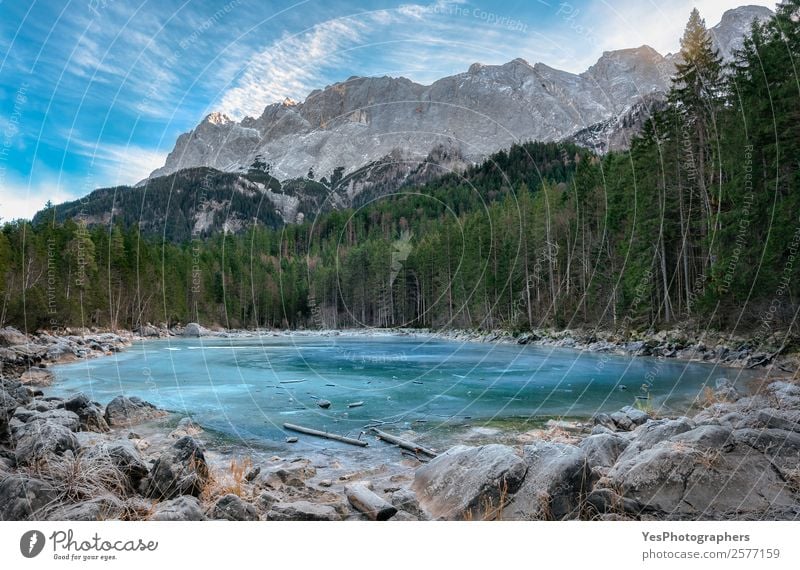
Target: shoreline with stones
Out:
[74,459]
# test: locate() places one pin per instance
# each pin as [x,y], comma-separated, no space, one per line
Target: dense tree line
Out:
[698,222]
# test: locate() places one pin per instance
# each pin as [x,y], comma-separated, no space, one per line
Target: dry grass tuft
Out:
[84,478]
[229,481]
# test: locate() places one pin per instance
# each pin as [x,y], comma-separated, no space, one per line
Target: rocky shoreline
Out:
[75,459]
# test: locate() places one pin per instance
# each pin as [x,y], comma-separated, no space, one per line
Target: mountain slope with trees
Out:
[697,222]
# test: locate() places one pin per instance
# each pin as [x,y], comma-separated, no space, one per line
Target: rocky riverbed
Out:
[72,458]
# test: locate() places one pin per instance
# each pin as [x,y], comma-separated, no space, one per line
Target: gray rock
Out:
[598,429]
[32,420]
[194,330]
[622,421]
[653,432]
[148,330]
[9,336]
[781,446]
[267,499]
[233,508]
[406,501]
[183,508]
[290,474]
[123,411]
[89,413]
[604,500]
[557,481]
[44,441]
[185,427]
[98,509]
[602,450]
[37,377]
[787,394]
[707,437]
[125,457]
[469,482]
[8,405]
[21,497]
[725,390]
[635,416]
[675,479]
[302,511]
[779,419]
[180,470]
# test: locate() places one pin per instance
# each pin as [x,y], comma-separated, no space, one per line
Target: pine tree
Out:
[696,95]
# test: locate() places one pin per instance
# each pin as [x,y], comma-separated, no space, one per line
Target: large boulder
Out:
[183,508]
[232,508]
[711,437]
[89,413]
[9,336]
[725,390]
[103,508]
[37,377]
[194,330]
[558,479]
[653,432]
[185,427]
[44,441]
[469,482]
[688,479]
[123,411]
[289,474]
[21,497]
[602,450]
[775,418]
[148,330]
[180,470]
[786,393]
[780,446]
[302,511]
[629,418]
[22,394]
[32,420]
[124,456]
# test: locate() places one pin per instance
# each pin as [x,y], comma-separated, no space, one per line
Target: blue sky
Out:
[94,92]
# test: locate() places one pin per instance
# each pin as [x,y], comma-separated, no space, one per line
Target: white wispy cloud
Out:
[22,197]
[296,64]
[291,66]
[118,164]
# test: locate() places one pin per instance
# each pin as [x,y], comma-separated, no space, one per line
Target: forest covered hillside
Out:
[697,222]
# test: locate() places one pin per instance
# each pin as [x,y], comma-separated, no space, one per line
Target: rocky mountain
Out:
[363,120]
[362,138]
[735,24]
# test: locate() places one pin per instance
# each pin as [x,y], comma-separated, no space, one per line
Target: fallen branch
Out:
[355,404]
[403,443]
[325,434]
[768,358]
[375,507]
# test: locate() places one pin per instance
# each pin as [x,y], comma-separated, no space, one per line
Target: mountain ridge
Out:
[479,111]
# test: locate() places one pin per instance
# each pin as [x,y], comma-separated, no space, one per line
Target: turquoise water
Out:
[245,388]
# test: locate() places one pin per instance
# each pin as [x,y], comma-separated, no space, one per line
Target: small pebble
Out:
[291,439]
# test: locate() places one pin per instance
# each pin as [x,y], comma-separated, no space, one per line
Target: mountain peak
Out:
[735,23]
[355,122]
[217,118]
